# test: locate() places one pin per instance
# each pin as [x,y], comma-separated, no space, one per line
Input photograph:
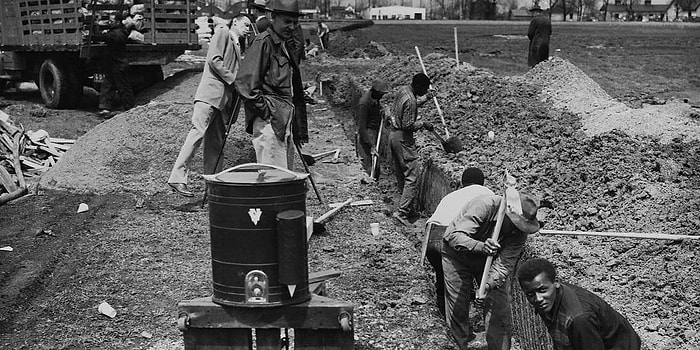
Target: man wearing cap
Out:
[213,102]
[404,122]
[369,118]
[262,22]
[466,244]
[270,83]
[539,32]
[445,212]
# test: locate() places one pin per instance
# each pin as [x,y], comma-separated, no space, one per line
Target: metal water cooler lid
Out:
[255,173]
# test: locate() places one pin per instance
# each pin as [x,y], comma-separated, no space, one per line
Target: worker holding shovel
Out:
[468,245]
[369,122]
[404,122]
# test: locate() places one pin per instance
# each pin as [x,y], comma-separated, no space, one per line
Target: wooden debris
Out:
[25,154]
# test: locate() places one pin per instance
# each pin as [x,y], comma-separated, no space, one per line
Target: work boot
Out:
[402,219]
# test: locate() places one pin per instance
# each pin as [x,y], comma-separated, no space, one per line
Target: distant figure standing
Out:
[115,90]
[262,19]
[539,32]
[323,34]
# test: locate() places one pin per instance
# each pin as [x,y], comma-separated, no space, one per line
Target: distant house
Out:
[678,10]
[637,12]
[394,12]
[557,12]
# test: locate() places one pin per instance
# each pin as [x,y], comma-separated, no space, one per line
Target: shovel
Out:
[456,144]
[451,145]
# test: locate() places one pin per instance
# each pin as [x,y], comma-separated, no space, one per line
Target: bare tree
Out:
[684,4]
[629,8]
[605,9]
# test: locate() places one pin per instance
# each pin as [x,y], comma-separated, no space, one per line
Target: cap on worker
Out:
[472,176]
[287,7]
[380,86]
[527,220]
[261,4]
[421,80]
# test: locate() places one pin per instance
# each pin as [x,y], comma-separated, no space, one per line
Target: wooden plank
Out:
[317,313]
[6,180]
[58,140]
[48,148]
[9,128]
[31,163]
[15,155]
[620,234]
[323,339]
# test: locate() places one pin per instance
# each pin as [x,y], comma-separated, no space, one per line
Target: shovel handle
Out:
[437,105]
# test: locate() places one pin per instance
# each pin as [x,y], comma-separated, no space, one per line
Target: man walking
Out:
[575,318]
[404,122]
[213,102]
[270,83]
[446,211]
[466,244]
[539,32]
[369,118]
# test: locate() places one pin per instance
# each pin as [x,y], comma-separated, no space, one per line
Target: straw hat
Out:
[287,7]
[527,220]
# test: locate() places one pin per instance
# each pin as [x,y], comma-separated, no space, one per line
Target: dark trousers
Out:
[406,168]
[433,252]
[115,90]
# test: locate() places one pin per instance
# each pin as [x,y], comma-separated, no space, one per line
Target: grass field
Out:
[631,61]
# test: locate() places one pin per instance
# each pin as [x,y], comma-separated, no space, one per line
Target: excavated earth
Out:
[597,165]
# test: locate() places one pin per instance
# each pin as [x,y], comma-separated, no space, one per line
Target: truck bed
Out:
[65,25]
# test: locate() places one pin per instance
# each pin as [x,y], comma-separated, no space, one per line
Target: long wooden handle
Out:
[437,105]
[375,157]
[456,47]
[489,260]
[620,234]
[332,212]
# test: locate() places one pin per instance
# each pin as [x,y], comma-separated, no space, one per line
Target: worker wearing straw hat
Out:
[466,245]
[539,32]
[270,84]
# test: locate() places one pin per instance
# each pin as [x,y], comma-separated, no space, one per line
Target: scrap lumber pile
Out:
[25,154]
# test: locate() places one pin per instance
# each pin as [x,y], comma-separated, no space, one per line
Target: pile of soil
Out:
[608,180]
[596,164]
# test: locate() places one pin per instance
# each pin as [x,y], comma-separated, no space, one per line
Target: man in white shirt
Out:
[446,211]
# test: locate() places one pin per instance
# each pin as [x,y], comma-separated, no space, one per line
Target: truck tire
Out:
[56,84]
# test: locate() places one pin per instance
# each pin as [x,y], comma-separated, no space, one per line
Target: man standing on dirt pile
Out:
[575,318]
[446,211]
[214,102]
[369,117]
[539,32]
[270,83]
[404,122]
[115,90]
[466,244]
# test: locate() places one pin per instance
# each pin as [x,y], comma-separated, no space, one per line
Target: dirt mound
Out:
[596,164]
[568,88]
[134,151]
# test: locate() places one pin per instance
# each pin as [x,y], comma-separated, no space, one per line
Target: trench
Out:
[437,178]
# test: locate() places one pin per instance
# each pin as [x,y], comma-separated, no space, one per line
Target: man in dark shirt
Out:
[369,118]
[115,89]
[576,318]
[539,32]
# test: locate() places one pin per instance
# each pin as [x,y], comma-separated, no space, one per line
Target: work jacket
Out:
[580,320]
[369,116]
[465,236]
[222,65]
[270,84]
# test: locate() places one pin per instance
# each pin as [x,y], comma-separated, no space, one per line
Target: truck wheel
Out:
[55,85]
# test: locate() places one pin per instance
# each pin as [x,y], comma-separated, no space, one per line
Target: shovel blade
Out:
[453,145]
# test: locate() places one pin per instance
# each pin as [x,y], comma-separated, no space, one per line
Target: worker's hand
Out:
[373,151]
[491,247]
[431,93]
[428,126]
[479,299]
